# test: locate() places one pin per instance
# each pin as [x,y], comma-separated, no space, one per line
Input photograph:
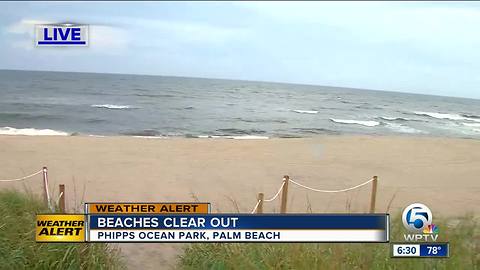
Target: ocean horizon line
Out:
[244,80]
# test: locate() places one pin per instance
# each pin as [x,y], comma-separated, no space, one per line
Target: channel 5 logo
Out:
[66,34]
[417,218]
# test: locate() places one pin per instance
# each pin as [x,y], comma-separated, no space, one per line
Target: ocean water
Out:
[57,103]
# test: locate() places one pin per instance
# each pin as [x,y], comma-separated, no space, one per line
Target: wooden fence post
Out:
[283,206]
[61,203]
[260,204]
[373,197]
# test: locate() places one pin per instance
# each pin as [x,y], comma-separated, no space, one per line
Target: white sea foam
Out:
[471,124]
[403,128]
[112,106]
[244,137]
[31,132]
[249,137]
[304,111]
[469,128]
[447,116]
[394,118]
[150,137]
[357,122]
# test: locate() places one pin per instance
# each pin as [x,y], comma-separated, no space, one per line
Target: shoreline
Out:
[240,137]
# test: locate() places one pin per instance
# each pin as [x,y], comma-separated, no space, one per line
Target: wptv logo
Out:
[417,219]
[65,34]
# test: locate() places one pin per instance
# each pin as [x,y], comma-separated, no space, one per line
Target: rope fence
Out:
[258,208]
[331,191]
[59,197]
[284,187]
[268,200]
[21,178]
[46,193]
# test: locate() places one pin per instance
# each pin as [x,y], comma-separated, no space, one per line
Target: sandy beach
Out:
[440,172]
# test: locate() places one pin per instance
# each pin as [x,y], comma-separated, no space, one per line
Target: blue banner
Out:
[241,221]
[434,250]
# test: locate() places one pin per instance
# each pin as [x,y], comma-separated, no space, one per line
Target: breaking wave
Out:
[317,131]
[31,132]
[471,116]
[244,137]
[356,122]
[449,116]
[112,106]
[395,118]
[236,131]
[305,111]
[402,128]
[471,124]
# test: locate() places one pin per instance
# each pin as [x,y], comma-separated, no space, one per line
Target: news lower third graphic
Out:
[238,228]
[193,222]
[61,35]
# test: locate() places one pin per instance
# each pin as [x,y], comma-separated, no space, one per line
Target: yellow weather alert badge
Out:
[60,228]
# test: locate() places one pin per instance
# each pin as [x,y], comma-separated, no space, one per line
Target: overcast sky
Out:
[419,47]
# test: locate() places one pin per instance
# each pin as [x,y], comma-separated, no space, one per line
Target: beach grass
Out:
[463,235]
[18,249]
